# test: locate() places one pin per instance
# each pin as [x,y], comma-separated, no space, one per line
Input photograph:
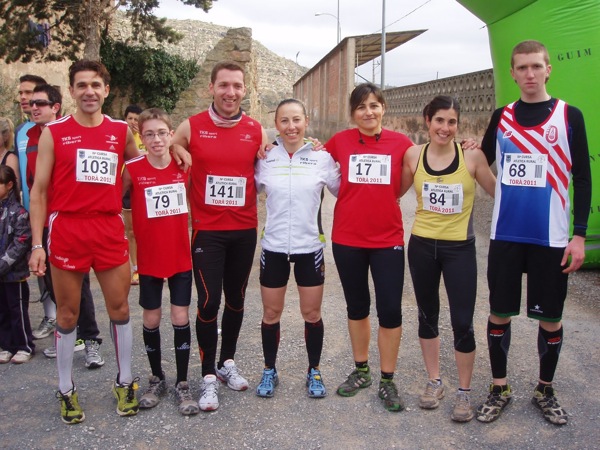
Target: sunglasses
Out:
[40,103]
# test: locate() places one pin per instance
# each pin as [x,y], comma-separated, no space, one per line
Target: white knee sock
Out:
[122,336]
[65,343]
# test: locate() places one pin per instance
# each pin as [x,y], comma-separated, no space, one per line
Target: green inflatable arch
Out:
[570,29]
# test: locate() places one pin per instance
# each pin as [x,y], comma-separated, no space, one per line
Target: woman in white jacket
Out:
[293,177]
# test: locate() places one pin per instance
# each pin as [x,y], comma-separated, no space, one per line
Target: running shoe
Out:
[358,379]
[462,410]
[79,345]
[45,329]
[209,393]
[127,404]
[434,392]
[266,387]
[388,392]
[229,374]
[314,383]
[50,352]
[5,356]
[21,357]
[135,279]
[151,397]
[497,400]
[548,404]
[70,411]
[187,405]
[93,358]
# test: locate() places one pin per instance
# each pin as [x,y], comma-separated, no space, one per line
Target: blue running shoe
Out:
[269,380]
[314,383]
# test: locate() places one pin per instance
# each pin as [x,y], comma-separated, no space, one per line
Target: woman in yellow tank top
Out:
[442,242]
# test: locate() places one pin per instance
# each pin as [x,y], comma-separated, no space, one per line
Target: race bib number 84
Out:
[442,198]
[96,166]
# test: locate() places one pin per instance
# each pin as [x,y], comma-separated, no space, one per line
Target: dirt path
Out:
[29,413]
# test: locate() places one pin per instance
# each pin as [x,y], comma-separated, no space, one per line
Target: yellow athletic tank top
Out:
[444,200]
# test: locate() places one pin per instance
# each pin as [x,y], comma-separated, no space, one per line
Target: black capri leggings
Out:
[387,270]
[427,260]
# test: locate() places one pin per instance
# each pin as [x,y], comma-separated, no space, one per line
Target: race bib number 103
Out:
[96,166]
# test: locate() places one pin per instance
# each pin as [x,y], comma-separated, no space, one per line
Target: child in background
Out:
[160,223]
[16,339]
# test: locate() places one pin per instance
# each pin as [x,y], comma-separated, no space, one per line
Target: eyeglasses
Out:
[39,103]
[161,134]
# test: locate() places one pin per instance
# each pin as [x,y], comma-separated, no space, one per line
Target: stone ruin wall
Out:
[474,91]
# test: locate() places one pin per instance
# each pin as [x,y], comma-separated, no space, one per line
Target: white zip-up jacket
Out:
[294,187]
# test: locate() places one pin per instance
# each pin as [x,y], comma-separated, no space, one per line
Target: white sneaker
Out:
[5,356]
[21,357]
[209,393]
[229,374]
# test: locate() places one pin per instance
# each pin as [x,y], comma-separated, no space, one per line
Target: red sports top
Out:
[163,241]
[223,195]
[367,213]
[87,167]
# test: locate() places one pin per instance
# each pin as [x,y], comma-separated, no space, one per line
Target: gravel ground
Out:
[29,412]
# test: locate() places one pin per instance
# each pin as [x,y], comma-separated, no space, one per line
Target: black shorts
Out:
[309,269]
[180,288]
[546,284]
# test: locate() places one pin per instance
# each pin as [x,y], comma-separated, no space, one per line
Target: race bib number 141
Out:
[225,191]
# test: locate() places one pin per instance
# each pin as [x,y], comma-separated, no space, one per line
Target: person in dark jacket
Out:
[16,339]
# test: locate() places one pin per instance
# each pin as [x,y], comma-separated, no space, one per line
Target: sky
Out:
[455,42]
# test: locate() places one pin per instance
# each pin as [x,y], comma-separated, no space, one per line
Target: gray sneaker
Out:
[462,410]
[93,358]
[156,387]
[187,405]
[45,329]
[50,352]
[430,399]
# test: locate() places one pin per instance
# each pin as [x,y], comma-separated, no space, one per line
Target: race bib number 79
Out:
[166,200]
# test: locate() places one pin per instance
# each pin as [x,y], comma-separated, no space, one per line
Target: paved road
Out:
[29,413]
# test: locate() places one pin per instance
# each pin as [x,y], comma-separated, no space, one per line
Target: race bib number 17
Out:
[370,169]
[96,166]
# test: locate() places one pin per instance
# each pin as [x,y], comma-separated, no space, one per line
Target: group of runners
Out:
[221,160]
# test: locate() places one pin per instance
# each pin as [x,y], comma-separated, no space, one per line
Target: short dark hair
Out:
[526,47]
[53,94]
[32,79]
[441,102]
[154,113]
[226,65]
[132,109]
[361,92]
[85,65]
[7,174]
